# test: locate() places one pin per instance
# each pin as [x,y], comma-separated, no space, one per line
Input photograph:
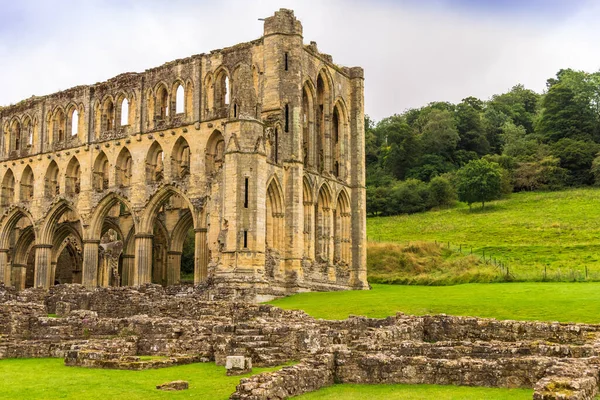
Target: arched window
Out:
[26,187]
[75,123]
[124,168]
[180,100]
[51,184]
[307,126]
[181,159]
[221,91]
[155,164]
[28,132]
[8,189]
[323,225]
[322,110]
[307,198]
[215,153]
[162,103]
[108,115]
[342,234]
[275,233]
[15,133]
[335,142]
[73,177]
[125,112]
[100,180]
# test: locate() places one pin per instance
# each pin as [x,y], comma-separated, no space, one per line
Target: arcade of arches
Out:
[242,168]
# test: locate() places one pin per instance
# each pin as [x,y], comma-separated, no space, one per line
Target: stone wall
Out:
[112,327]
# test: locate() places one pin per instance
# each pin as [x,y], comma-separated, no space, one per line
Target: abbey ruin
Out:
[255,151]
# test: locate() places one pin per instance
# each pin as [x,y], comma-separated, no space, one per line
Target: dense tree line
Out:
[539,142]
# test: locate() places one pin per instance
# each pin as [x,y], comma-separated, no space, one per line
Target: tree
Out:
[479,181]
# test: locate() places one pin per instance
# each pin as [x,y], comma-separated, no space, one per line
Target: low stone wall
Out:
[307,376]
[113,327]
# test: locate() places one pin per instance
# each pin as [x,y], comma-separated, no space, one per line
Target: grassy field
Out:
[550,301]
[49,379]
[531,232]
[414,392]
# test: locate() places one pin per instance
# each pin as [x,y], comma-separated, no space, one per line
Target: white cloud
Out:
[411,54]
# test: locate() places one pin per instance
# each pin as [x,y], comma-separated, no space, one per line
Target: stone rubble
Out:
[117,327]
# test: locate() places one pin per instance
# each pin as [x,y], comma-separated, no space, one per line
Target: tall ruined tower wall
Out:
[258,148]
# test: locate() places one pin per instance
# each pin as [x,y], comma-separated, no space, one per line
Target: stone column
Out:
[143,259]
[43,273]
[127,269]
[4,267]
[200,256]
[173,268]
[52,272]
[19,273]
[89,277]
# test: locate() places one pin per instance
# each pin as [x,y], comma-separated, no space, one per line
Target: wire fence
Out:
[511,270]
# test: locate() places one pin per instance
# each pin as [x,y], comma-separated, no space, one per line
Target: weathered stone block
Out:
[175,385]
[238,365]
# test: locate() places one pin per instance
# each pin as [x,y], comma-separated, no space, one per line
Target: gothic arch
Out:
[323,224]
[275,221]
[53,217]
[27,184]
[51,180]
[124,168]
[94,231]
[215,152]
[100,179]
[342,231]
[308,123]
[308,204]
[8,223]
[155,163]
[73,177]
[180,159]
[158,199]
[7,195]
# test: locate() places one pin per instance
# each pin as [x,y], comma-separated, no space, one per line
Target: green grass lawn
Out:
[529,231]
[414,392]
[49,379]
[550,301]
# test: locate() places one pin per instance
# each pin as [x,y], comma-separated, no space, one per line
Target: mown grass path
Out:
[551,301]
[559,231]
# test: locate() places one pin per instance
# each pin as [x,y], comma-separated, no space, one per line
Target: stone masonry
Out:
[115,327]
[254,152]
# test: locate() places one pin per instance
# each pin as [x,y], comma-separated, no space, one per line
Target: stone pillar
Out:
[52,272]
[200,256]
[19,273]
[4,267]
[127,269]
[143,259]
[43,273]
[173,268]
[89,277]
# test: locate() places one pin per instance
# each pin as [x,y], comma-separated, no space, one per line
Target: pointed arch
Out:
[343,234]
[215,152]
[51,182]
[180,159]
[308,124]
[73,177]
[100,173]
[308,204]
[155,163]
[124,168]
[27,133]
[124,111]
[161,102]
[61,210]
[222,90]
[323,224]
[27,184]
[15,135]
[107,122]
[179,98]
[156,202]
[9,222]
[8,189]
[275,221]
[323,101]
[101,210]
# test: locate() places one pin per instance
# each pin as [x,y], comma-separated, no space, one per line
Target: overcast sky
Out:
[413,52]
